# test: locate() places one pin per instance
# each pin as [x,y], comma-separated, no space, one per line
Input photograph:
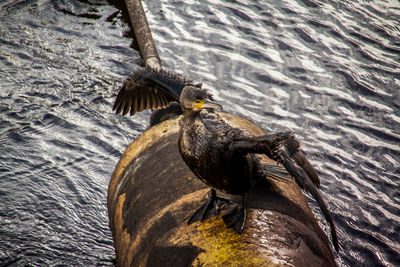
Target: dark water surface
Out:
[327,70]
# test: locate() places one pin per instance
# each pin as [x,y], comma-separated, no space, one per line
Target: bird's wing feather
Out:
[276,172]
[293,160]
[286,142]
[148,88]
[284,148]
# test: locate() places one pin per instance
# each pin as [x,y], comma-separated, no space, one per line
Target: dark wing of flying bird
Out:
[148,88]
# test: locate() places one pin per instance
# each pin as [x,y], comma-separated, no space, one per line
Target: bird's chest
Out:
[195,145]
[206,155]
[206,151]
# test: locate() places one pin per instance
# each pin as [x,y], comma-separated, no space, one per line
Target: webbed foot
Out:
[209,209]
[235,217]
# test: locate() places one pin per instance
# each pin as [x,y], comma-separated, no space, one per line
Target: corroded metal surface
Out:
[147,48]
[152,194]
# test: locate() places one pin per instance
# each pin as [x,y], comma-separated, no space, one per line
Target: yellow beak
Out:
[200,104]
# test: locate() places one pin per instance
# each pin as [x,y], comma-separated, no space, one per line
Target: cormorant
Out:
[224,158]
[221,156]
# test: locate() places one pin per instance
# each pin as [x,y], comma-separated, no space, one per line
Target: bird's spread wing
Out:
[285,149]
[282,147]
[148,88]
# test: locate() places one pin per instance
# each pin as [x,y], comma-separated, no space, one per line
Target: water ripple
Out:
[329,71]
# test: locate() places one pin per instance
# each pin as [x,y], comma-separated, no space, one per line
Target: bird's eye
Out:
[198,101]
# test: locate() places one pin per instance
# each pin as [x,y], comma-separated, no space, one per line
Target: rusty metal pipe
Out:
[147,48]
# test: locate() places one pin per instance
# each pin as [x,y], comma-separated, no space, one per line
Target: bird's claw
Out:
[210,208]
[235,217]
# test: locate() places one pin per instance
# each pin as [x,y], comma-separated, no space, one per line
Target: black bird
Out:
[221,156]
[224,158]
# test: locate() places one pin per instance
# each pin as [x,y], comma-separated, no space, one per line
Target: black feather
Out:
[148,88]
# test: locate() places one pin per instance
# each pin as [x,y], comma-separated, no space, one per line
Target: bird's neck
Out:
[192,122]
[190,115]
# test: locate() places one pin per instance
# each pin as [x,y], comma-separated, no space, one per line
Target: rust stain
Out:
[122,237]
[141,143]
[192,197]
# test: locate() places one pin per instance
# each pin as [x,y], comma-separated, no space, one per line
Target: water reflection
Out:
[327,70]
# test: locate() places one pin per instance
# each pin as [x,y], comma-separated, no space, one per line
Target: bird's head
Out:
[195,99]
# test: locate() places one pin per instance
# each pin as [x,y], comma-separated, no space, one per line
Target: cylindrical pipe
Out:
[147,48]
[152,193]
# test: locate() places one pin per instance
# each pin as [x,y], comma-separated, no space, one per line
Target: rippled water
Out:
[327,70]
